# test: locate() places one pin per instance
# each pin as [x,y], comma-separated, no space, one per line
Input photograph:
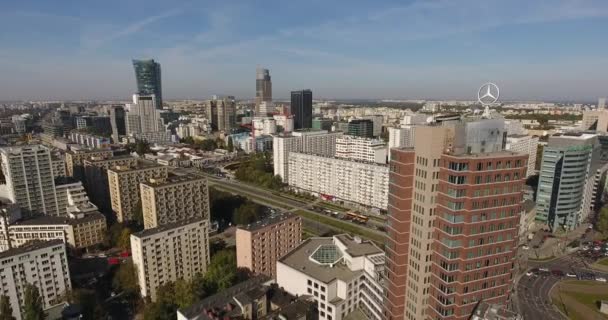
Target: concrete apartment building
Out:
[596,120]
[71,197]
[43,264]
[172,199]
[524,144]
[173,251]
[341,273]
[78,231]
[567,177]
[259,245]
[221,112]
[96,178]
[58,163]
[362,149]
[74,161]
[123,182]
[318,142]
[435,220]
[362,183]
[30,181]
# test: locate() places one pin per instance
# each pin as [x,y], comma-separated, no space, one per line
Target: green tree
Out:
[32,304]
[230,144]
[248,213]
[602,221]
[142,147]
[125,278]
[6,311]
[124,240]
[222,271]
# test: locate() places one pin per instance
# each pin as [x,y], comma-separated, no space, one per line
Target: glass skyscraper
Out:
[301,109]
[148,77]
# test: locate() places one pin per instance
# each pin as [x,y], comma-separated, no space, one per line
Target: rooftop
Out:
[51,220]
[503,153]
[141,164]
[166,227]
[357,247]
[114,158]
[30,246]
[172,179]
[271,220]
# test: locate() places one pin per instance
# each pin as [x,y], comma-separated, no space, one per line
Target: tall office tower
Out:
[263,88]
[595,120]
[143,115]
[378,122]
[428,184]
[124,186]
[41,263]
[565,173]
[314,142]
[601,103]
[363,149]
[118,118]
[259,245]
[148,77]
[96,178]
[29,178]
[301,109]
[524,144]
[171,252]
[361,128]
[174,199]
[221,113]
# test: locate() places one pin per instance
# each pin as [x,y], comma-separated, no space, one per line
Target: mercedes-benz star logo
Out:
[488,93]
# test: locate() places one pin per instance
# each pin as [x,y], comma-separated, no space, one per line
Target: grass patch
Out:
[542,259]
[579,299]
[347,227]
[603,262]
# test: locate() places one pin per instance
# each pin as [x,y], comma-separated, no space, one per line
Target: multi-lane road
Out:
[533,293]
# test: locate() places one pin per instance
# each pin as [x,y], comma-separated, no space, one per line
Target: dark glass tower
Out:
[361,128]
[301,109]
[147,75]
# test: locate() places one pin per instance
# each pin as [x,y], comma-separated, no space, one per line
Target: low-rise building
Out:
[78,231]
[259,245]
[343,274]
[172,199]
[124,183]
[359,182]
[170,252]
[43,264]
[256,298]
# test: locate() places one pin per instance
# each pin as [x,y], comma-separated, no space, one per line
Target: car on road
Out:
[525,247]
[600,279]
[529,273]
[571,275]
[587,276]
[543,269]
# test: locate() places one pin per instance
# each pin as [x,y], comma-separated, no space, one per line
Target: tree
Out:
[142,147]
[230,144]
[6,310]
[126,278]
[124,240]
[602,221]
[222,271]
[247,213]
[32,304]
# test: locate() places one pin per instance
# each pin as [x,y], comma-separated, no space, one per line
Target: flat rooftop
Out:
[271,220]
[30,246]
[171,180]
[357,247]
[503,153]
[299,259]
[167,227]
[51,220]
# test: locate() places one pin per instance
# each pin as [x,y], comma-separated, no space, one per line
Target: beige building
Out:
[595,120]
[170,252]
[74,161]
[43,264]
[173,199]
[259,245]
[79,231]
[123,182]
[96,177]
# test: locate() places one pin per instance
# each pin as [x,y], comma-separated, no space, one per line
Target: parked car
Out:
[543,269]
[600,279]
[571,275]
[529,273]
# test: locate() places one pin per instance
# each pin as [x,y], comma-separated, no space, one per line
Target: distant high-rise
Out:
[301,109]
[263,87]
[221,112]
[601,103]
[118,121]
[148,77]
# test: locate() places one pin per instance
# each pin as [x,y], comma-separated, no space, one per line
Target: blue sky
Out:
[534,49]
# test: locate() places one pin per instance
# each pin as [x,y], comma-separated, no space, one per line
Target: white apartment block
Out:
[401,137]
[30,179]
[168,200]
[359,182]
[72,198]
[171,252]
[341,273]
[362,149]
[318,142]
[124,181]
[43,264]
[524,144]
[143,116]
[283,121]
[264,126]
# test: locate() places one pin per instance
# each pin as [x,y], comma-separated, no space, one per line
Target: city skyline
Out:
[416,50]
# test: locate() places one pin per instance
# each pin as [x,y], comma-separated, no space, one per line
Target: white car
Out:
[529,273]
[597,248]
[525,247]
[571,275]
[543,269]
[600,279]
